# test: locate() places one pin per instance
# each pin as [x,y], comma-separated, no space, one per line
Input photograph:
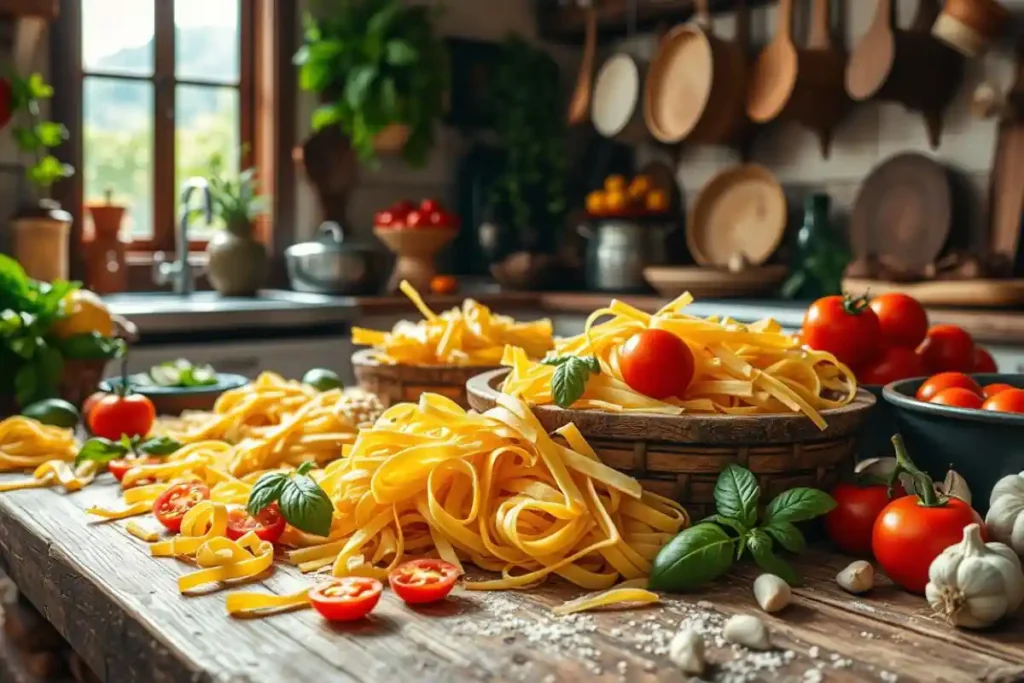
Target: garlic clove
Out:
[687,652]
[857,577]
[747,630]
[772,593]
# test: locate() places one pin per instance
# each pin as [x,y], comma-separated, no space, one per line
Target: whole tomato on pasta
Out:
[843,326]
[656,363]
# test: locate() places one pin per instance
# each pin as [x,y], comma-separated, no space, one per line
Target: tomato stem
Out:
[926,493]
[855,306]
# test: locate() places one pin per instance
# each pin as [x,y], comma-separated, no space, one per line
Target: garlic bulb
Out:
[1005,519]
[974,584]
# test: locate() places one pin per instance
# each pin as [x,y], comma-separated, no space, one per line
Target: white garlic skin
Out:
[772,593]
[748,631]
[974,584]
[687,652]
[1005,518]
[857,577]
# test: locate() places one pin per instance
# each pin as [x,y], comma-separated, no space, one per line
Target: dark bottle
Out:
[821,253]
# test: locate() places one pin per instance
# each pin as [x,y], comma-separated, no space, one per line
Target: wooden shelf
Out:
[44,9]
[565,23]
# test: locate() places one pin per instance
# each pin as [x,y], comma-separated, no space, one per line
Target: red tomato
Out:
[438,219]
[1008,401]
[402,209]
[120,467]
[429,206]
[957,397]
[416,219]
[115,415]
[901,319]
[268,524]
[991,390]
[908,535]
[6,102]
[847,328]
[421,581]
[346,599]
[849,524]
[896,362]
[656,363]
[90,403]
[947,348]
[384,219]
[170,507]
[983,361]
[945,380]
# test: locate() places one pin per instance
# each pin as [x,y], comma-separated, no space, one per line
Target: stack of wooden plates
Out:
[714,283]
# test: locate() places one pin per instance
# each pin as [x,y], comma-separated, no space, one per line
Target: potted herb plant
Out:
[41,228]
[238,262]
[380,72]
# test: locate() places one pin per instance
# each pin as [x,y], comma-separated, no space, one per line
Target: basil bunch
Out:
[98,449]
[706,551]
[570,378]
[303,503]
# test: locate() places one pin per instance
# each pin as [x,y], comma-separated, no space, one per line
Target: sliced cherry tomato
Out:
[850,523]
[983,361]
[957,397]
[1007,401]
[417,219]
[120,467]
[115,415]
[947,348]
[945,380]
[902,321]
[268,524]
[421,581]
[346,599]
[991,390]
[429,206]
[894,363]
[845,327]
[170,507]
[656,363]
[384,219]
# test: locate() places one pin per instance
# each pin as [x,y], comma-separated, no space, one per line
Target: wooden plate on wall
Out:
[741,210]
[714,283]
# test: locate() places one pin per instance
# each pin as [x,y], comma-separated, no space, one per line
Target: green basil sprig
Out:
[102,451]
[570,378]
[707,550]
[303,503]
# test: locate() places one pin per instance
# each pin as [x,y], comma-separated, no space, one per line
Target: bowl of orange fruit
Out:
[639,197]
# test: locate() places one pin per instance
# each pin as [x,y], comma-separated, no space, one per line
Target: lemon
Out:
[84,312]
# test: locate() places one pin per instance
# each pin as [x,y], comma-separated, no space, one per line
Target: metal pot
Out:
[619,250]
[331,265]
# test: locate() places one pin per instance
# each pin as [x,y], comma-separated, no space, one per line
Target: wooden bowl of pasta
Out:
[681,456]
[398,383]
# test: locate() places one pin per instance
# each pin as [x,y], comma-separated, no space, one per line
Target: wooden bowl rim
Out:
[482,391]
[418,373]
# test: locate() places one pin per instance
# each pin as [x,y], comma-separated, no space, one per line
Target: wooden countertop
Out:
[121,611]
[990,326]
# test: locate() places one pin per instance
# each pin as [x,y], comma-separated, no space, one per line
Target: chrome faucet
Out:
[179,272]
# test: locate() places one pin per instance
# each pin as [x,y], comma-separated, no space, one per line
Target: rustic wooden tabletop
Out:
[121,611]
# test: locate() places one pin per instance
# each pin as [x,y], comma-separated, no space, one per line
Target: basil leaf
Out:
[593,364]
[160,446]
[91,346]
[736,525]
[98,449]
[760,545]
[787,535]
[695,556]
[797,505]
[736,495]
[265,491]
[570,379]
[556,360]
[306,506]
[127,442]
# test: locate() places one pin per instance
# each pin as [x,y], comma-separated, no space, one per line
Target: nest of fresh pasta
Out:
[672,363]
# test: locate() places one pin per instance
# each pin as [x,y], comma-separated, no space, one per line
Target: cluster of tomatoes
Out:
[961,391]
[404,214]
[888,339]
[619,197]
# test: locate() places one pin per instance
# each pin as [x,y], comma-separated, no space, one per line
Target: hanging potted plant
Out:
[381,75]
[41,228]
[238,262]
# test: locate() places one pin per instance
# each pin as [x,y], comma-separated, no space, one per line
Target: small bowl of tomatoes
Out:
[414,234]
[972,423]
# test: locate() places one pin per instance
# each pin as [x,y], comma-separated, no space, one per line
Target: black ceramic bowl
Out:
[173,401]
[982,445]
[879,427]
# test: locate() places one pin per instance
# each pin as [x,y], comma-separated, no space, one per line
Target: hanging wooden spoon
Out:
[579,105]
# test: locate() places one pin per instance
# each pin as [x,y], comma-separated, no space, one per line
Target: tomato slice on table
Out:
[120,467]
[945,380]
[346,599]
[419,582]
[175,502]
[656,363]
[268,524]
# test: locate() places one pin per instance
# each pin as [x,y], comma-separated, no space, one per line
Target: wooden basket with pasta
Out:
[398,383]
[681,456]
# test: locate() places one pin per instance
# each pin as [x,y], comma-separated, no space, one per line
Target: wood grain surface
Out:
[120,610]
[398,383]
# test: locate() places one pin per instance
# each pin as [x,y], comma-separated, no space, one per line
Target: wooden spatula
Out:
[579,105]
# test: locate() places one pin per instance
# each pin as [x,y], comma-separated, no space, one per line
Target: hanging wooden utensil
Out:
[1007,180]
[911,66]
[617,103]
[579,105]
[803,84]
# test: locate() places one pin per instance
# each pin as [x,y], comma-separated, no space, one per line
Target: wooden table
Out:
[121,611]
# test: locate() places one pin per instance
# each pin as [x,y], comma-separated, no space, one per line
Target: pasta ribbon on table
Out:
[630,593]
[466,335]
[56,473]
[26,443]
[738,369]
[223,560]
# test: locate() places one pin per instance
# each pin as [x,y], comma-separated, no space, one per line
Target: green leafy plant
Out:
[707,550]
[303,503]
[526,96]
[570,378]
[375,63]
[236,201]
[102,451]
[35,135]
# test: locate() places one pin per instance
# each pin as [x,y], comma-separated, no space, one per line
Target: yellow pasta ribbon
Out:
[225,560]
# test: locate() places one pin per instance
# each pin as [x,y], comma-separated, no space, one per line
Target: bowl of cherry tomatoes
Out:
[970,422]
[414,234]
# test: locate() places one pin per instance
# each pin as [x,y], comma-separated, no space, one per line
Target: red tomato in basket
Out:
[1006,401]
[946,380]
[656,363]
